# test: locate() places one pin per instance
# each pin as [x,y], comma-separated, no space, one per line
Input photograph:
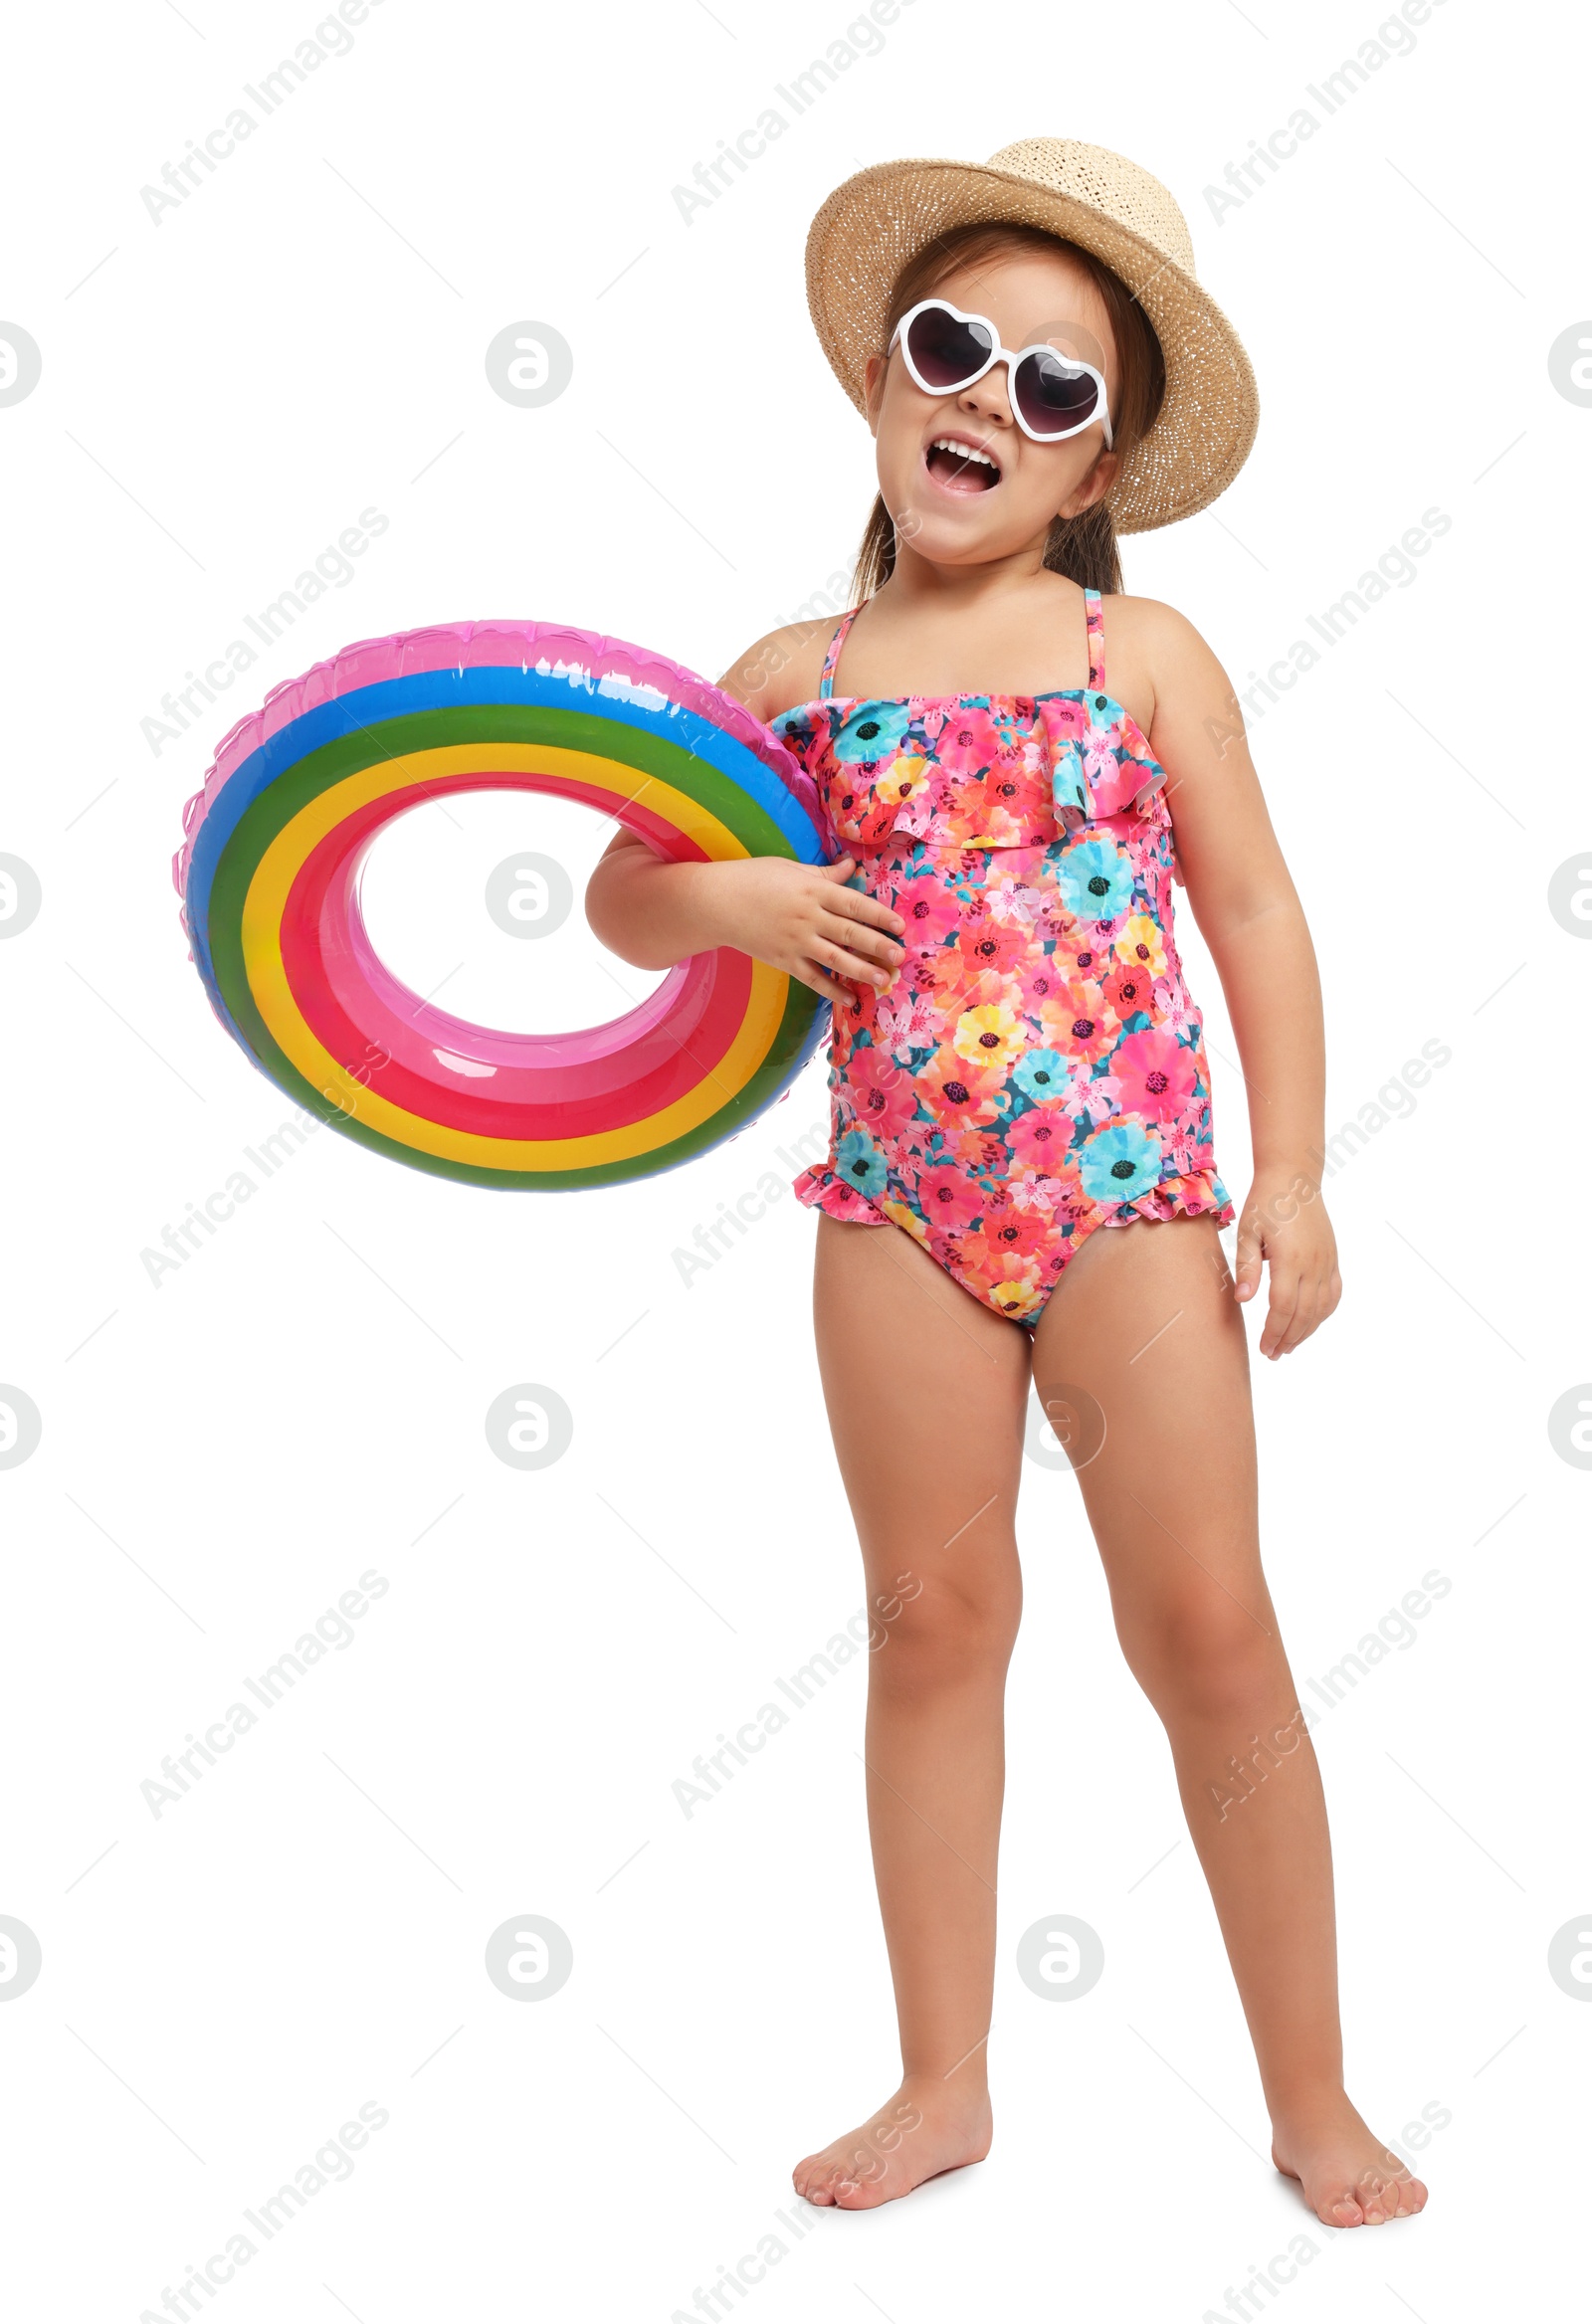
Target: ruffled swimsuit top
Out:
[1037,1069]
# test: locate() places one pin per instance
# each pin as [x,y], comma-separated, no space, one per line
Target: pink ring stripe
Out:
[616,1072]
[413,1029]
[354,966]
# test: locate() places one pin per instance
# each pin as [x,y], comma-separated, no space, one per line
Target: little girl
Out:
[1017,761]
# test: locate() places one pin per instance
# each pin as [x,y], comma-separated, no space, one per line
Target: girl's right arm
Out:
[798,917]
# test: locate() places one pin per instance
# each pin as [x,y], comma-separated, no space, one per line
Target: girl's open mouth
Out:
[957,465]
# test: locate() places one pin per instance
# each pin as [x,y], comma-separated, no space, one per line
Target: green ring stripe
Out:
[794,1026]
[433,729]
[487,723]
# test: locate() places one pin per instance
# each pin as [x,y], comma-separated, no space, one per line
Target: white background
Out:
[224,1454]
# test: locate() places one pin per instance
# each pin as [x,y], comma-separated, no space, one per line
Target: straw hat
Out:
[873,223]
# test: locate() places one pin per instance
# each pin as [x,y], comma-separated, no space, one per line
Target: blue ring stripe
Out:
[369,707]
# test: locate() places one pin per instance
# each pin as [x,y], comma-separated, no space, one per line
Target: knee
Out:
[945,1634]
[1206,1657]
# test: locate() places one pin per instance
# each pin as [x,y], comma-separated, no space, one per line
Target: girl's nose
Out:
[987,396]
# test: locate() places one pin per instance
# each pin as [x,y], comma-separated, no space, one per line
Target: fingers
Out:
[1306,1285]
[1279,1310]
[868,942]
[854,932]
[1292,1317]
[1298,1309]
[843,962]
[857,906]
[818,980]
[867,925]
[1247,1260]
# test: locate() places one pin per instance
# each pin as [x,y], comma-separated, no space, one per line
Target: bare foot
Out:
[1349,2179]
[929,2126]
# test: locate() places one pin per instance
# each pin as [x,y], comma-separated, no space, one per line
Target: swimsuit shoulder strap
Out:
[1096,641]
[832,657]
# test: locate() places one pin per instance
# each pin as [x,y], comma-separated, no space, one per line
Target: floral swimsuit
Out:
[1037,1069]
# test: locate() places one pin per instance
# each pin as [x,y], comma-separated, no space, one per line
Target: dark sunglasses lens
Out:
[946,352]
[1051,397]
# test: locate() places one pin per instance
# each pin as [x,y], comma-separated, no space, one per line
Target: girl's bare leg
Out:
[925,1391]
[1143,1322]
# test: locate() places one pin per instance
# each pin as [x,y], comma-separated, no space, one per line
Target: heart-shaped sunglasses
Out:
[1052,395]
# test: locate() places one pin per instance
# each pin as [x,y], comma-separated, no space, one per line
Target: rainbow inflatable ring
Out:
[268,876]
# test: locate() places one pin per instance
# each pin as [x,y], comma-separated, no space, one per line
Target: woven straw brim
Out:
[873,224]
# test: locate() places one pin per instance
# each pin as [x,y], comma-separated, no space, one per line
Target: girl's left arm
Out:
[1248,912]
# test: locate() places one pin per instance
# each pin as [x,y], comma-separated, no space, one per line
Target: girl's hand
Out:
[804,920]
[1285,1221]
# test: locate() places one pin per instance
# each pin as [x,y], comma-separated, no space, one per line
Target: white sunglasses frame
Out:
[1006,355]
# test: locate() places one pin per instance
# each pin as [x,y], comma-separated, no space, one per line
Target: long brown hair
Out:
[1084,547]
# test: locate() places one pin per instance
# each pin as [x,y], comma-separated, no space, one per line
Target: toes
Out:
[1386,2190]
[833,2179]
[1395,2197]
[812,2178]
[859,2194]
[1378,2198]
[1410,2196]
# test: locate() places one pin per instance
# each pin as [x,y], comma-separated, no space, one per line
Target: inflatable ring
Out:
[269,876]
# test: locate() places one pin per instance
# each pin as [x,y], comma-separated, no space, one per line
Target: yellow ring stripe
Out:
[267,901]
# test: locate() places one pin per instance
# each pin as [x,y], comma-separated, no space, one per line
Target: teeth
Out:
[962,451]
